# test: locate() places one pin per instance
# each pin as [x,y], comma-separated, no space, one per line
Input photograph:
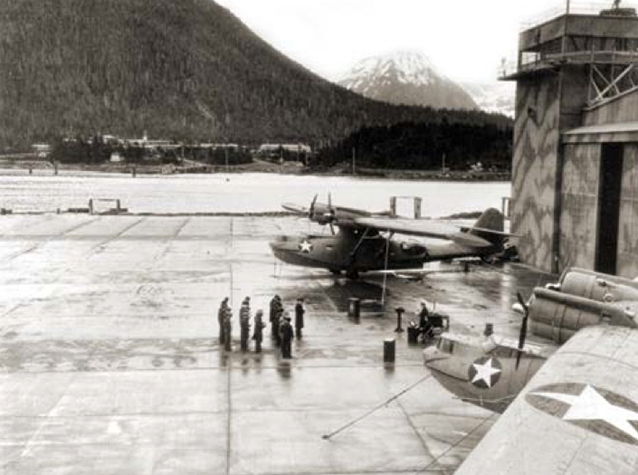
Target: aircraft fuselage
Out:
[353,252]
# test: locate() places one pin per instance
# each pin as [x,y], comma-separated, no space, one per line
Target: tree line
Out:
[424,146]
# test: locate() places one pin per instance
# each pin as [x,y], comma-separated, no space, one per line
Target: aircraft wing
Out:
[422,227]
[577,416]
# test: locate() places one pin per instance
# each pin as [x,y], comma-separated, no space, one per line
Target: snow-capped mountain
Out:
[405,77]
[497,96]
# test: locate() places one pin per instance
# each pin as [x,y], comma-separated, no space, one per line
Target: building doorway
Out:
[611,166]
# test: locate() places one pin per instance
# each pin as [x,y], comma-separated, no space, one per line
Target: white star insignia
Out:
[589,405]
[484,372]
[305,246]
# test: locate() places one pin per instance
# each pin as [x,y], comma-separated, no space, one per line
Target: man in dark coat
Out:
[244,323]
[277,320]
[258,334]
[287,334]
[220,319]
[425,326]
[299,321]
[228,325]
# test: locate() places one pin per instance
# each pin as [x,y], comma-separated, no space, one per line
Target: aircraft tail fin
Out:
[490,226]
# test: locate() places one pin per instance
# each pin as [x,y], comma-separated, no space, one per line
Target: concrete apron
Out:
[110,361]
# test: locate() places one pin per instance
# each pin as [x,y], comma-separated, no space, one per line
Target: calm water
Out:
[251,192]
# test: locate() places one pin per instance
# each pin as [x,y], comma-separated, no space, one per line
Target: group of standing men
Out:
[282,331]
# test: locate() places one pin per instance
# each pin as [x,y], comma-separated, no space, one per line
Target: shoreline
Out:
[289,168]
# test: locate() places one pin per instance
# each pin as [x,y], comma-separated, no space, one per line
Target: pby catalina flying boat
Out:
[491,371]
[364,240]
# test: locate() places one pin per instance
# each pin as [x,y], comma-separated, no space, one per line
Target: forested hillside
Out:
[425,146]
[186,70]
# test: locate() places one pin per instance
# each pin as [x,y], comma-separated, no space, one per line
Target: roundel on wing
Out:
[592,408]
[485,372]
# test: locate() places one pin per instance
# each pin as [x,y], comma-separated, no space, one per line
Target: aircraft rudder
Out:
[493,220]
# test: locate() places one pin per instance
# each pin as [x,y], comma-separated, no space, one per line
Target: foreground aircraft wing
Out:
[423,227]
[577,416]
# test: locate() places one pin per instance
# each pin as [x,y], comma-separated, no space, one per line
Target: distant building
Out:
[575,164]
[42,150]
[272,149]
[116,157]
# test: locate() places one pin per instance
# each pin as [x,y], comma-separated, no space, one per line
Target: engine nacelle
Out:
[558,315]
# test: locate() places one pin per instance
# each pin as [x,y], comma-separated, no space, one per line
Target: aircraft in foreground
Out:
[364,242]
[575,408]
[490,371]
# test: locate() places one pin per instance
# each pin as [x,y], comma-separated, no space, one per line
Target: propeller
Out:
[311,210]
[523,334]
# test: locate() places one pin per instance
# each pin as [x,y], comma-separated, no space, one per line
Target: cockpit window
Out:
[411,248]
[503,352]
[445,346]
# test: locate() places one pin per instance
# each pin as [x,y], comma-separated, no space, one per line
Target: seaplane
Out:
[362,241]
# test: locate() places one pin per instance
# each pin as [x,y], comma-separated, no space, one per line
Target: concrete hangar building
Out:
[575,164]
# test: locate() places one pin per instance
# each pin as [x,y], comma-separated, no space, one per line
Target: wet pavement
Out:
[110,363]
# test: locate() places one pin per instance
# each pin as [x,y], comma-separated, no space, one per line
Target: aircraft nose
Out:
[278,243]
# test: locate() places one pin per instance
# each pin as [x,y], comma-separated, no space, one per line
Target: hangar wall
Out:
[621,109]
[579,215]
[628,228]
[534,166]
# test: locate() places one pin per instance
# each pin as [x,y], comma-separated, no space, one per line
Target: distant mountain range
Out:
[496,96]
[184,69]
[410,78]
[405,77]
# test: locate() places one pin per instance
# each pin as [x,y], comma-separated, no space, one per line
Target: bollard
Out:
[389,346]
[399,328]
[354,308]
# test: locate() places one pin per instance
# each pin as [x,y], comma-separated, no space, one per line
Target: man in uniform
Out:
[220,319]
[273,308]
[228,326]
[287,334]
[425,327]
[299,321]
[258,334]
[244,323]
[276,320]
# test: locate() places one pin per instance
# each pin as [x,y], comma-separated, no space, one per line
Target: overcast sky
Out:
[465,39]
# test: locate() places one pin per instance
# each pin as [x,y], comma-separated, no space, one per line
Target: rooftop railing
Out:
[575,8]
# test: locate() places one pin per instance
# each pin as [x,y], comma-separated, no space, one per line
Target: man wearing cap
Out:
[299,320]
[220,319]
[244,323]
[258,334]
[425,327]
[228,326]
[278,310]
[287,334]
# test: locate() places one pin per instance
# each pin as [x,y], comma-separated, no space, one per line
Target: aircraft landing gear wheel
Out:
[352,274]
